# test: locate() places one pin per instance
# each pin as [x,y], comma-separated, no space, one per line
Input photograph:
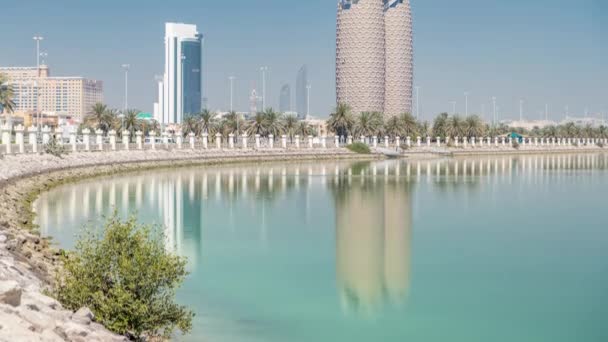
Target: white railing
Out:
[29,140]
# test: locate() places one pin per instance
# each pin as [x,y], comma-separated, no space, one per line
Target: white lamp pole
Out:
[417,102]
[126,69]
[453,107]
[37,39]
[494,114]
[307,101]
[466,103]
[263,70]
[231,78]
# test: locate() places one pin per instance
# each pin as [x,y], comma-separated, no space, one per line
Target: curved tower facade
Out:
[399,57]
[360,55]
[374,56]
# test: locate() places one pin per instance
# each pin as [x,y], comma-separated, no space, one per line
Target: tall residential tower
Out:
[374,56]
[302,92]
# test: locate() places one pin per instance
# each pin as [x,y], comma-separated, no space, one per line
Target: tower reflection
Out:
[373,237]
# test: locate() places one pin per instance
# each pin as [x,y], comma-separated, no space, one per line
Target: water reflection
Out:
[373,236]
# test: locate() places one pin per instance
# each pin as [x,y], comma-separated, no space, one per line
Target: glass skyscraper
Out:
[181,91]
[301,92]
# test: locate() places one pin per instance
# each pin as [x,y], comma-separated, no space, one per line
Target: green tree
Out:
[6,95]
[368,124]
[273,123]
[131,122]
[207,122]
[256,125]
[190,125]
[440,125]
[393,127]
[127,279]
[455,126]
[473,127]
[101,117]
[410,124]
[341,121]
[303,129]
[290,123]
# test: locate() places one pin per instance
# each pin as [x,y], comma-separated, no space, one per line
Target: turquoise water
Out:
[485,249]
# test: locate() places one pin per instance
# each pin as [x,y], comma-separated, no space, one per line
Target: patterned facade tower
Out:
[399,57]
[360,55]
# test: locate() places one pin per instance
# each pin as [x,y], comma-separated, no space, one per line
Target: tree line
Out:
[343,122]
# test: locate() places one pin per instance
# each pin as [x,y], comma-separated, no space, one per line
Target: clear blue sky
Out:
[546,51]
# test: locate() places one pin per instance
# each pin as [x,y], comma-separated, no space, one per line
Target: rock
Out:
[10,293]
[83,316]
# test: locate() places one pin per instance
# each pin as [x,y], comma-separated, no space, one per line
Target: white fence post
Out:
[271,141]
[244,142]
[179,139]
[139,140]
[310,142]
[257,142]
[438,141]
[218,141]
[375,141]
[153,140]
[86,139]
[323,142]
[125,139]
[99,138]
[336,141]
[33,138]
[19,138]
[349,140]
[297,142]
[112,135]
[191,138]
[205,141]
[231,141]
[73,141]
[284,141]
[397,142]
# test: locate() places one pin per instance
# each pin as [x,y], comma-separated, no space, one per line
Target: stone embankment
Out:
[27,261]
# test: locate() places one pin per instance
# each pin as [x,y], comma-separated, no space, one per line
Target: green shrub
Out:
[127,279]
[54,148]
[359,147]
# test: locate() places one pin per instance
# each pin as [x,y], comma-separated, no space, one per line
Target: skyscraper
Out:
[182,81]
[301,92]
[285,99]
[374,55]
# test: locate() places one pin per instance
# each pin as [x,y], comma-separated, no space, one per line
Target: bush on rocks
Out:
[127,279]
[359,147]
[54,148]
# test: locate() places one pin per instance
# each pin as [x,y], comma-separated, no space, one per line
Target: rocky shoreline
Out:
[27,261]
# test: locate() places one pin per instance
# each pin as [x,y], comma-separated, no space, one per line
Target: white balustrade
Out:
[284,142]
[19,138]
[192,140]
[271,141]
[323,142]
[244,141]
[205,141]
[126,135]
[257,141]
[139,140]
[153,140]
[218,141]
[99,139]
[86,139]
[231,141]
[297,141]
[112,135]
[33,138]
[179,140]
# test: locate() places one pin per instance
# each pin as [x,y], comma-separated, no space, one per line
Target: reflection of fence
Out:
[27,141]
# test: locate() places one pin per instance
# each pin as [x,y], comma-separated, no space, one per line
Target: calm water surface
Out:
[492,249]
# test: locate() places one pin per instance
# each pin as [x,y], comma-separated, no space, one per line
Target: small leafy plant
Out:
[54,148]
[125,276]
[359,147]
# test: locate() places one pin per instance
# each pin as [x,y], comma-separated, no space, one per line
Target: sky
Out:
[551,52]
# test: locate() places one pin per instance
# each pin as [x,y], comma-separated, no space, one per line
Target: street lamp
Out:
[126,69]
[466,103]
[308,101]
[494,114]
[231,78]
[38,39]
[453,107]
[264,69]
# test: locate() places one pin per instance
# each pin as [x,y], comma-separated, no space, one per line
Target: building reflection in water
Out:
[373,238]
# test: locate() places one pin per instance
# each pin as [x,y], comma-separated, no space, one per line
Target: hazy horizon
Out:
[545,52]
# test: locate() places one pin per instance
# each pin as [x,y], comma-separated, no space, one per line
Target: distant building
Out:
[285,99]
[35,91]
[529,124]
[301,92]
[182,80]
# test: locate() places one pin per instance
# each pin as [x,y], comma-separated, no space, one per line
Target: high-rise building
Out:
[182,81]
[301,92]
[285,99]
[374,56]
[36,91]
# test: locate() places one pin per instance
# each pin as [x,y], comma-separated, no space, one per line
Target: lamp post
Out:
[264,69]
[308,101]
[494,114]
[38,39]
[417,102]
[466,103]
[453,107]
[231,78]
[126,69]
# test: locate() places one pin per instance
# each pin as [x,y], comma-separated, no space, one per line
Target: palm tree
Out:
[368,124]
[440,125]
[234,123]
[455,126]
[206,121]
[550,132]
[290,123]
[256,125]
[6,95]
[190,125]
[273,123]
[410,125]
[131,122]
[393,127]
[101,117]
[303,129]
[341,120]
[473,126]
